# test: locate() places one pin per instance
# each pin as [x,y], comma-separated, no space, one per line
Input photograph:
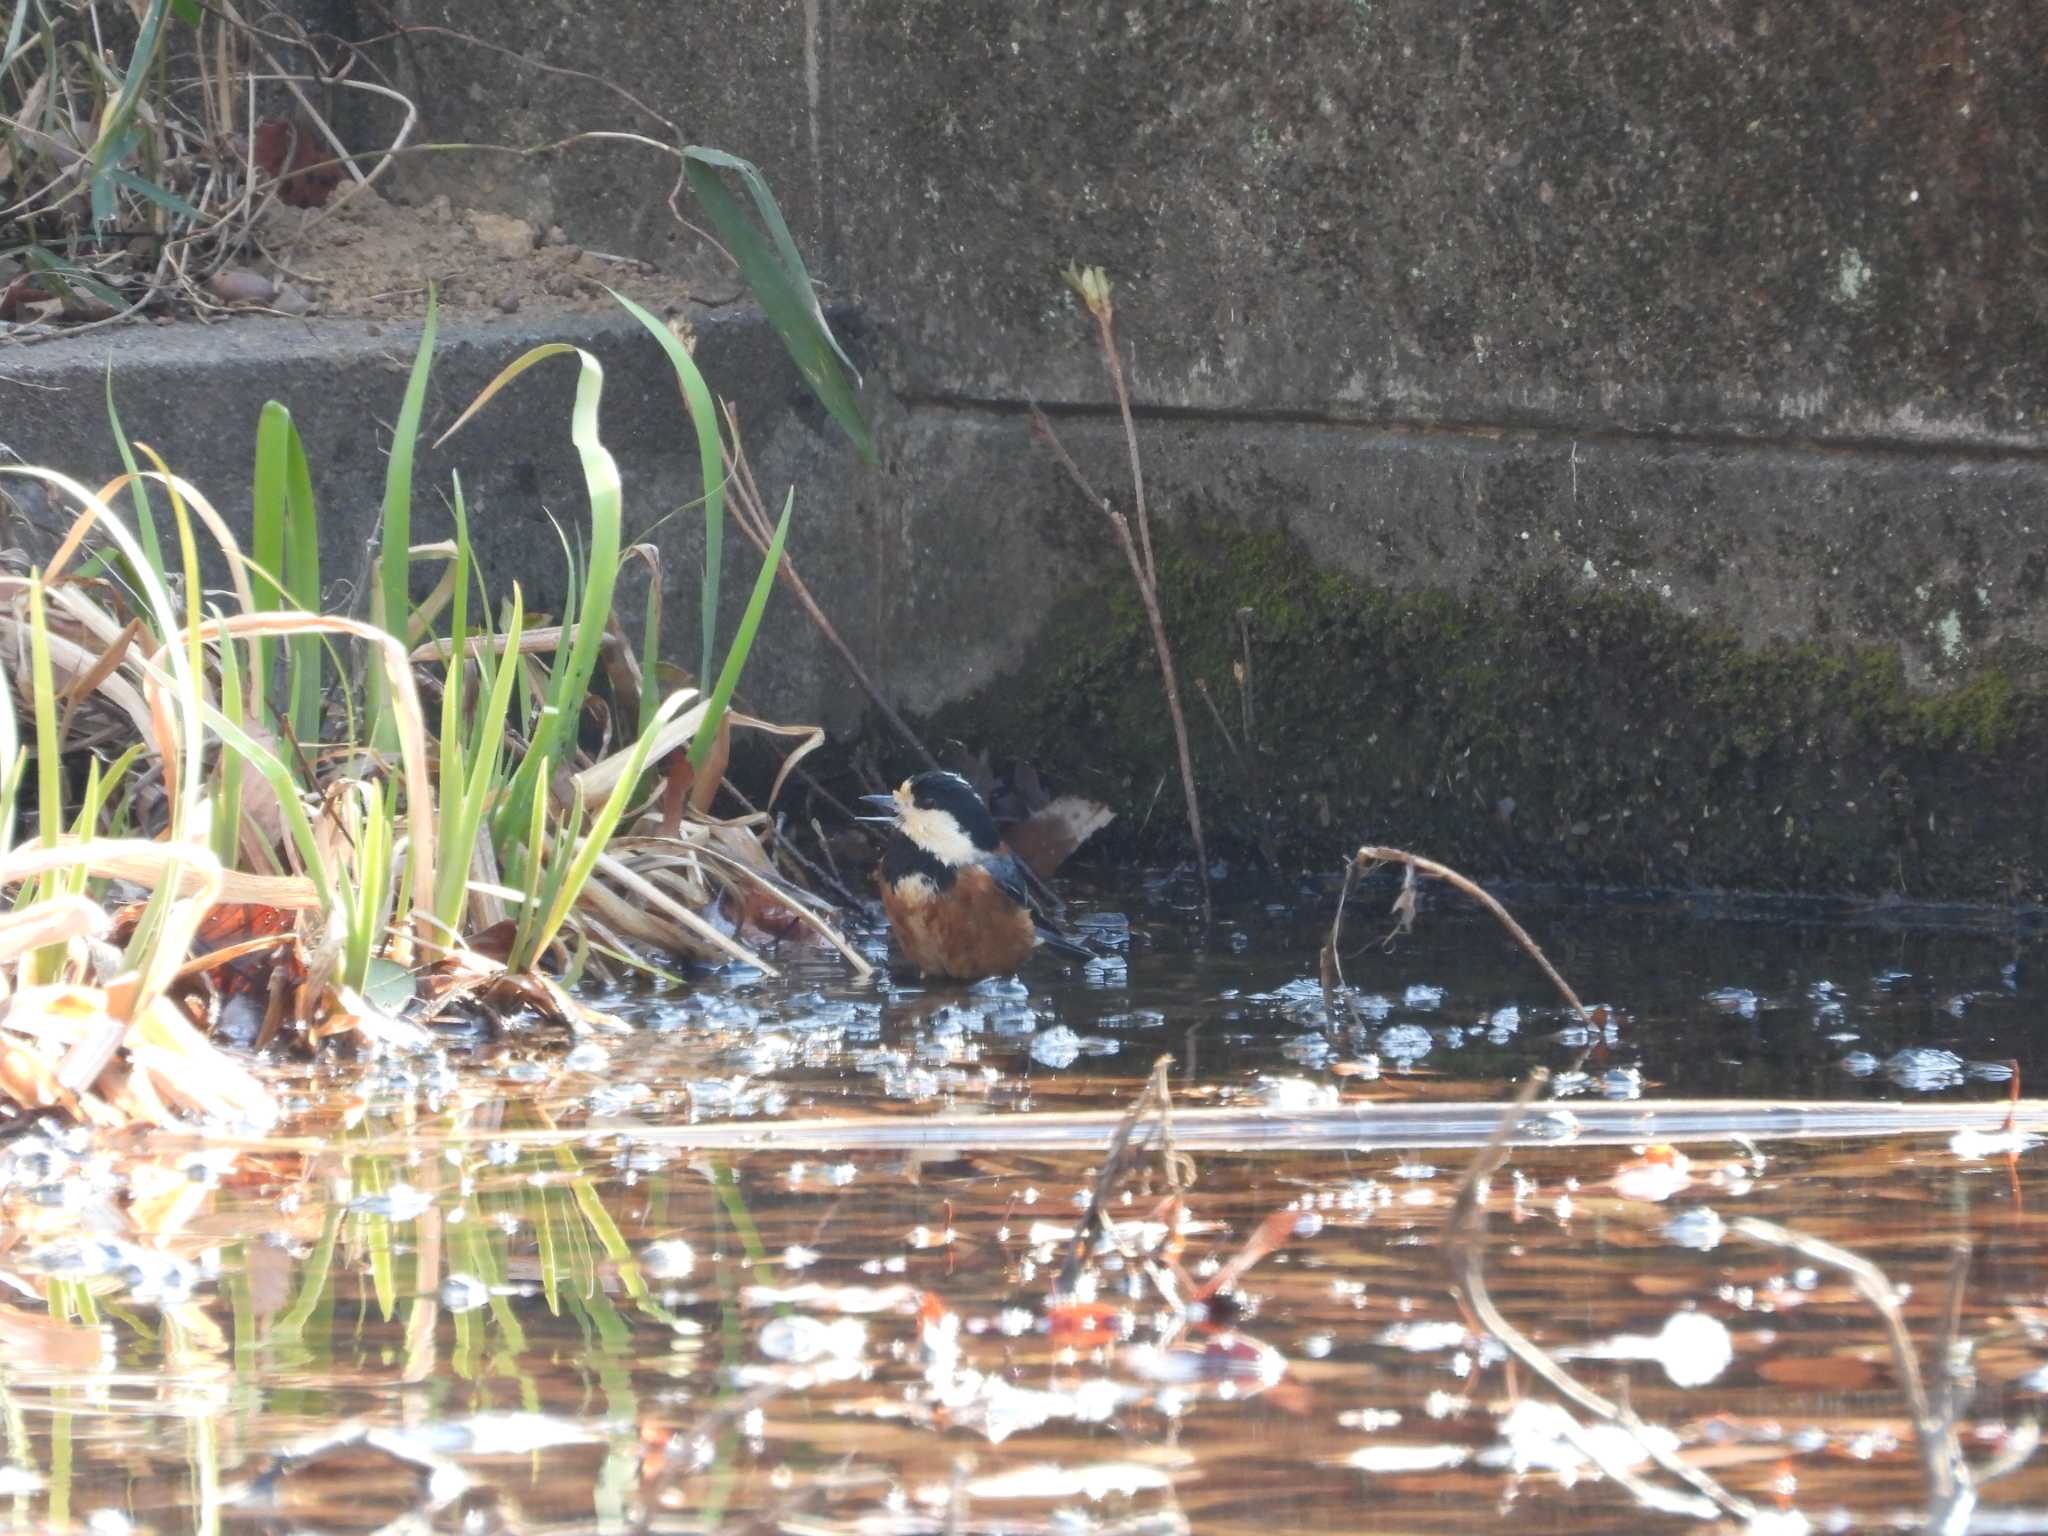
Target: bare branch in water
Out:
[1465,1242]
[1404,910]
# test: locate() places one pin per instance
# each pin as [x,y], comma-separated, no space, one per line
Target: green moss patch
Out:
[1552,730]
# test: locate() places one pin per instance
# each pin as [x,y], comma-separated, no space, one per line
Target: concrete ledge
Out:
[195,393]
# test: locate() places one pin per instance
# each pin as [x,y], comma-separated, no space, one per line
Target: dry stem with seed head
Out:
[1093,288]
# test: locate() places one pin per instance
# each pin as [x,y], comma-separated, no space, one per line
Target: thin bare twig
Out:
[1148,594]
[1105,316]
[751,514]
[1331,964]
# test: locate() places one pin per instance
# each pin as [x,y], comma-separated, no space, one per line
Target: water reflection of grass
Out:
[368,1317]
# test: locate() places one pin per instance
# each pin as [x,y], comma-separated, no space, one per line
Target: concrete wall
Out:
[1738,309]
[1741,283]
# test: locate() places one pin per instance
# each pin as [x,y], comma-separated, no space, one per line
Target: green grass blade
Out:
[781,286]
[395,546]
[163,197]
[711,460]
[279,778]
[266,534]
[593,606]
[14,31]
[70,280]
[138,488]
[743,638]
[114,143]
[11,766]
[454,780]
[584,863]
[49,769]
[650,647]
[452,875]
[302,584]
[227,816]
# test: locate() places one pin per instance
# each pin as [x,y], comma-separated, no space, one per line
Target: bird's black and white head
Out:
[943,818]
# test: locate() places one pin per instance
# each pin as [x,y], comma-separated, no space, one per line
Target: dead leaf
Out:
[1048,839]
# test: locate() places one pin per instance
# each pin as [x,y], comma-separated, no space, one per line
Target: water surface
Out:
[493,1288]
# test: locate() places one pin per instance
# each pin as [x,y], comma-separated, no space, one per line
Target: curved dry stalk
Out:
[1367,857]
[791,900]
[618,871]
[56,920]
[78,664]
[118,859]
[597,781]
[129,995]
[175,734]
[1950,1492]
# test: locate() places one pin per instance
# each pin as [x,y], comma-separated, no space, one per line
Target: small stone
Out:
[508,304]
[500,235]
[239,285]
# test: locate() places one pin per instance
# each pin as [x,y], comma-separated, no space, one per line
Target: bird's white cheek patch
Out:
[938,834]
[916,890]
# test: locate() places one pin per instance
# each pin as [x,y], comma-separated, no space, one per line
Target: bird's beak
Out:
[891,811]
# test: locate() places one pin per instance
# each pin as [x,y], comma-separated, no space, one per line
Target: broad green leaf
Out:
[163,197]
[710,459]
[114,143]
[66,277]
[780,284]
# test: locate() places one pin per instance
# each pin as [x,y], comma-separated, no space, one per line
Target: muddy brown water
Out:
[500,1288]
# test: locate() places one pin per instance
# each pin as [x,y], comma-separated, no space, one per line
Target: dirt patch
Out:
[367,257]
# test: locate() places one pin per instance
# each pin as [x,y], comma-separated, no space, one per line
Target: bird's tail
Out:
[1060,944]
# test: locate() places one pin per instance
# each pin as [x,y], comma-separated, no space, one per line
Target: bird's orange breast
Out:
[970,929]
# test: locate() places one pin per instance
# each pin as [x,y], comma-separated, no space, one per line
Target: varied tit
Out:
[954,894]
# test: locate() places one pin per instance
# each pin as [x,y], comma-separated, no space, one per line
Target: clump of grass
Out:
[322,857]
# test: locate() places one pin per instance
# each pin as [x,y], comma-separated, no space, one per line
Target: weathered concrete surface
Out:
[1718,332]
[1571,691]
[1821,221]
[1814,221]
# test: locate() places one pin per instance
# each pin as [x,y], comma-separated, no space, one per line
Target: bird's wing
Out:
[1008,874]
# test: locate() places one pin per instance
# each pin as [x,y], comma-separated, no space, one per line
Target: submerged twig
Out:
[1465,1241]
[1951,1492]
[1155,1095]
